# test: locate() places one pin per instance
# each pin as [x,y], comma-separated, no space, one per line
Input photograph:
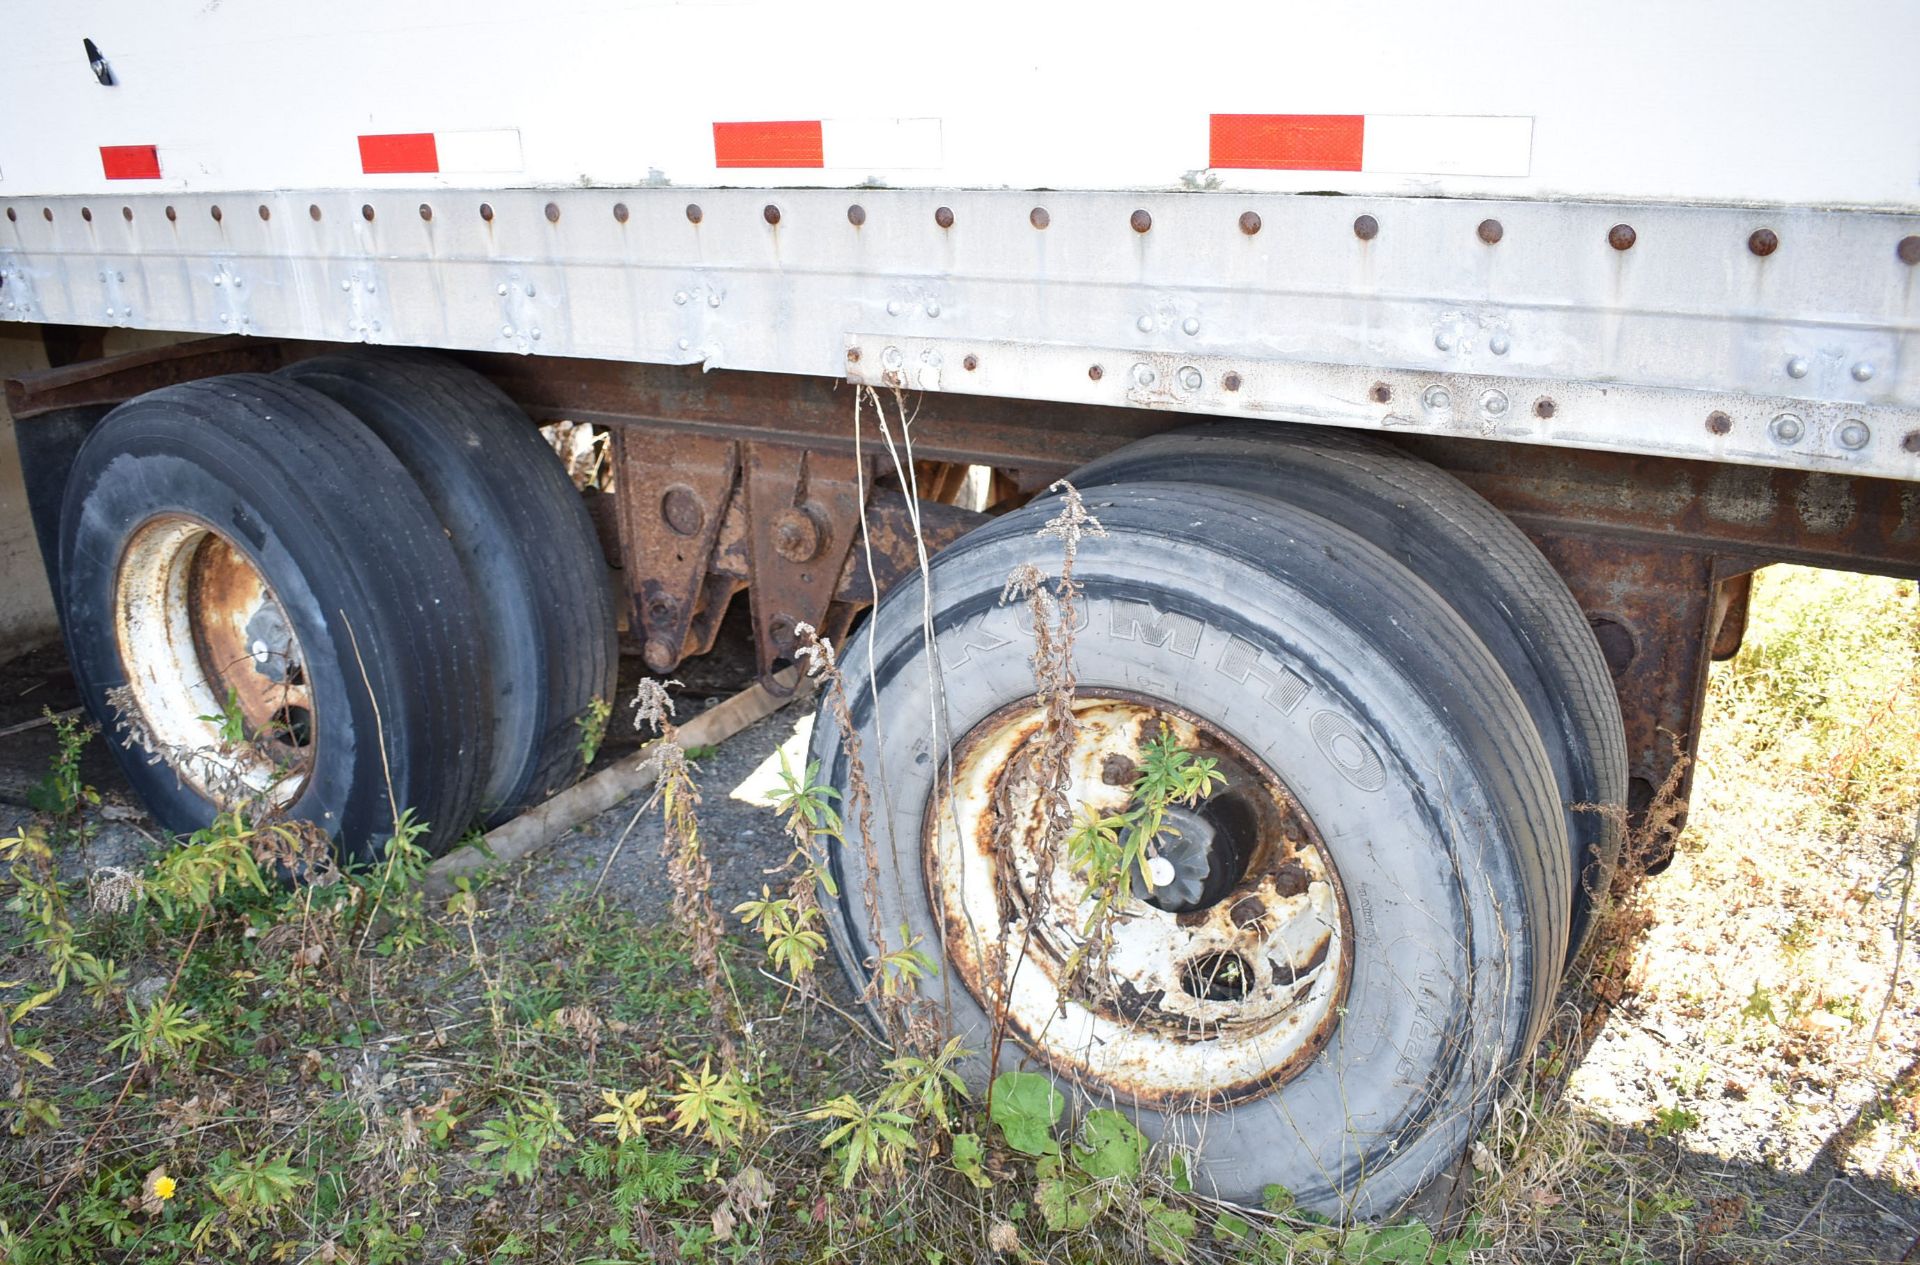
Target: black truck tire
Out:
[524,539]
[245,538]
[1468,551]
[1389,944]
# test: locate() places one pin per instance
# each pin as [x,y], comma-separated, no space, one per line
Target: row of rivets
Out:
[1762,242]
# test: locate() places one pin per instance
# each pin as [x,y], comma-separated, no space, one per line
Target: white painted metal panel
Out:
[1746,101]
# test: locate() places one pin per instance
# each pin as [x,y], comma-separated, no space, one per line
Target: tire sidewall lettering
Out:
[1286,685]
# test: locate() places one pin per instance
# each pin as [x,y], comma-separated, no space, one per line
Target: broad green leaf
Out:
[1111,1146]
[1026,1106]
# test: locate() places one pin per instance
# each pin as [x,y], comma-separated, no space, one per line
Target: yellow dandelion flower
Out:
[163,1187]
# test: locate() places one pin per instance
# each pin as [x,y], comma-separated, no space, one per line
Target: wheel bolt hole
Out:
[293,726]
[1217,977]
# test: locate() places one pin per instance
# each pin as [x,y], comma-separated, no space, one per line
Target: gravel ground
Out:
[746,837]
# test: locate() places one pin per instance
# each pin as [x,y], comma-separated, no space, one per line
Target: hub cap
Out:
[200,631]
[1226,975]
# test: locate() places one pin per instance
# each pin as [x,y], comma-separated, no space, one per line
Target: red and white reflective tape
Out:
[1398,144]
[869,144]
[1395,144]
[130,162]
[430,153]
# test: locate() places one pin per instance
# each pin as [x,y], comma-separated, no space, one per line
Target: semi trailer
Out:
[1392,404]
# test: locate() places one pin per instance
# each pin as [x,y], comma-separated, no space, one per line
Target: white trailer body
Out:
[491,178]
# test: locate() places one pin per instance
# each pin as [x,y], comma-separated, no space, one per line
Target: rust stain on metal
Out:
[1231,381]
[674,493]
[770,213]
[971,362]
[681,510]
[1490,231]
[1249,222]
[225,596]
[797,534]
[1622,237]
[1366,228]
[1038,217]
[1543,407]
[1247,913]
[1719,423]
[809,501]
[1732,604]
[1647,545]
[1290,879]
[1220,995]
[856,215]
[1140,221]
[1095,372]
[620,213]
[1908,251]
[202,632]
[694,213]
[1381,393]
[944,217]
[1763,242]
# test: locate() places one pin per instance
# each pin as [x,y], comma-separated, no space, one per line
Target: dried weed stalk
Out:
[823,665]
[1621,917]
[1054,612]
[689,873]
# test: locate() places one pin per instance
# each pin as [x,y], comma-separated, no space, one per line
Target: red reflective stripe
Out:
[400,152]
[1287,142]
[130,162]
[790,144]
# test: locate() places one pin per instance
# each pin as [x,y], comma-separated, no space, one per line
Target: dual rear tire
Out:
[358,587]
[1384,896]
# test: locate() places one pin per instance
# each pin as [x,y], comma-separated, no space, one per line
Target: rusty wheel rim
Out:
[204,637]
[1215,991]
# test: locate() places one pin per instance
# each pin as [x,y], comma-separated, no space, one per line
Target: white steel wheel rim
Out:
[1155,1026]
[193,619]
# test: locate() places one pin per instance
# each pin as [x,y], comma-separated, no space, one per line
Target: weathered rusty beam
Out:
[815,413]
[1762,515]
[112,379]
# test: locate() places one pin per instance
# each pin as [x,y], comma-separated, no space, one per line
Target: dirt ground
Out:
[1752,1096]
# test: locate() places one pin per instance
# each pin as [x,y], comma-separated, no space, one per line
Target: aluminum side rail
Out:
[1773,337]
